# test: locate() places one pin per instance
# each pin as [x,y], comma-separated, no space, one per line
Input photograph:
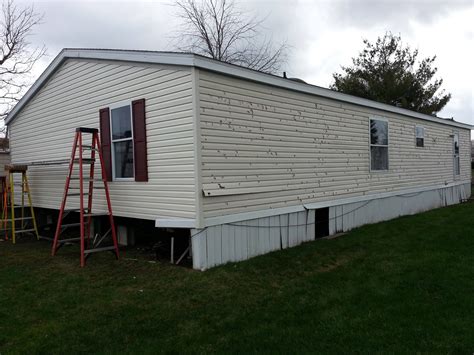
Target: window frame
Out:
[113,141]
[379,118]
[416,136]
[457,156]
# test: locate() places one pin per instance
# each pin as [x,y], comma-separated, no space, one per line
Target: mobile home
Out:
[248,162]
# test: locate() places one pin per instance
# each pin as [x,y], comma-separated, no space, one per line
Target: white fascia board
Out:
[175,223]
[188,59]
[184,59]
[239,217]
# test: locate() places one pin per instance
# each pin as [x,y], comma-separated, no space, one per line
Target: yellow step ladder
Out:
[27,223]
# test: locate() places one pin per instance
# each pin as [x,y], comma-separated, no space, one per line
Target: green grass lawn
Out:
[402,286]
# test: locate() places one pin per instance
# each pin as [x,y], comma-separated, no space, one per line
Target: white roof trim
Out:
[193,60]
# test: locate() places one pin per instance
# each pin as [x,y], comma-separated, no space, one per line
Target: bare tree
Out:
[17,56]
[218,29]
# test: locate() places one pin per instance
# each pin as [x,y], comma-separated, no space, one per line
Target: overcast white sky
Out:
[323,34]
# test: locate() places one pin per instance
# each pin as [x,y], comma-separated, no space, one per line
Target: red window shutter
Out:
[105,141]
[139,140]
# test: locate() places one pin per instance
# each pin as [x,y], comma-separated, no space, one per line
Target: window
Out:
[420,136]
[457,167]
[122,142]
[378,144]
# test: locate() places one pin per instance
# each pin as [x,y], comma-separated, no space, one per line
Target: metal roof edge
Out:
[189,59]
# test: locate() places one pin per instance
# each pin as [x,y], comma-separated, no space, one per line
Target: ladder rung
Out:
[85,161]
[68,240]
[19,219]
[86,187]
[87,179]
[89,147]
[46,238]
[25,230]
[78,194]
[74,210]
[70,225]
[96,250]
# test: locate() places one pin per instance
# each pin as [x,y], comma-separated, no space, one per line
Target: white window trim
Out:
[424,129]
[112,141]
[379,118]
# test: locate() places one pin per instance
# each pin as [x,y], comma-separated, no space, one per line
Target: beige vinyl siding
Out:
[44,130]
[266,147]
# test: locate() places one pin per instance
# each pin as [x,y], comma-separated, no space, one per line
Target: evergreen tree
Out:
[387,71]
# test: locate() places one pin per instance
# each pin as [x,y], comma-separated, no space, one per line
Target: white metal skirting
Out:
[220,244]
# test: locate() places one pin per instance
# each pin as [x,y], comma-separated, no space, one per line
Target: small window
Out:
[378,144]
[420,136]
[122,142]
[457,166]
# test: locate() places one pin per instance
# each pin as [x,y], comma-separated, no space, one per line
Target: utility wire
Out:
[303,224]
[311,223]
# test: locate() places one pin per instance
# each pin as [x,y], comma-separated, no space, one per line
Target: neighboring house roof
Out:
[194,60]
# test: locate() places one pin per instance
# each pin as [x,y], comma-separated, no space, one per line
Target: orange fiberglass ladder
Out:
[87,245]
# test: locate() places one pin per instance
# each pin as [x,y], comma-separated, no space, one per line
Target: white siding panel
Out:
[284,231]
[275,235]
[293,229]
[228,243]
[240,234]
[199,248]
[44,130]
[253,238]
[264,235]
[353,215]
[265,147]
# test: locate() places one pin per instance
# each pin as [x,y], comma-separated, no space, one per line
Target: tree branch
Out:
[218,29]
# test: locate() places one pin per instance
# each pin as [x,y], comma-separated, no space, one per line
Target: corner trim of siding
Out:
[197,149]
